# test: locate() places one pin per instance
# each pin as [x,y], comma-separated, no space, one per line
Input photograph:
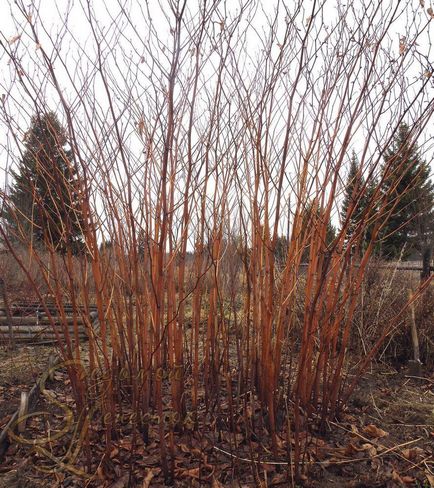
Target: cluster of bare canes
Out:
[201,137]
[385,290]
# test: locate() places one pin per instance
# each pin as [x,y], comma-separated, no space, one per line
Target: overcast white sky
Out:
[53,14]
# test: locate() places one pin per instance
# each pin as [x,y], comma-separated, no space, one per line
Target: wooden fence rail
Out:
[32,323]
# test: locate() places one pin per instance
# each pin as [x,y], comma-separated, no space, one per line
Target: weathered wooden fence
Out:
[34,323]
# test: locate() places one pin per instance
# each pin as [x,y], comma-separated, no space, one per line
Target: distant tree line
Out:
[44,200]
[408,193]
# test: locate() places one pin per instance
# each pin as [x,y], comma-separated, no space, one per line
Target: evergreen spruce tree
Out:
[371,214]
[281,250]
[409,196]
[358,196]
[353,200]
[44,199]
[312,214]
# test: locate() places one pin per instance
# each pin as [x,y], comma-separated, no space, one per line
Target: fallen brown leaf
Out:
[407,480]
[125,444]
[216,484]
[396,477]
[430,479]
[189,473]
[148,477]
[371,450]
[100,473]
[197,453]
[114,453]
[412,454]
[184,448]
[351,449]
[375,432]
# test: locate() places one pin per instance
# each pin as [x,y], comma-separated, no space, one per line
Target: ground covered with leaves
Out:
[384,438]
[19,370]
